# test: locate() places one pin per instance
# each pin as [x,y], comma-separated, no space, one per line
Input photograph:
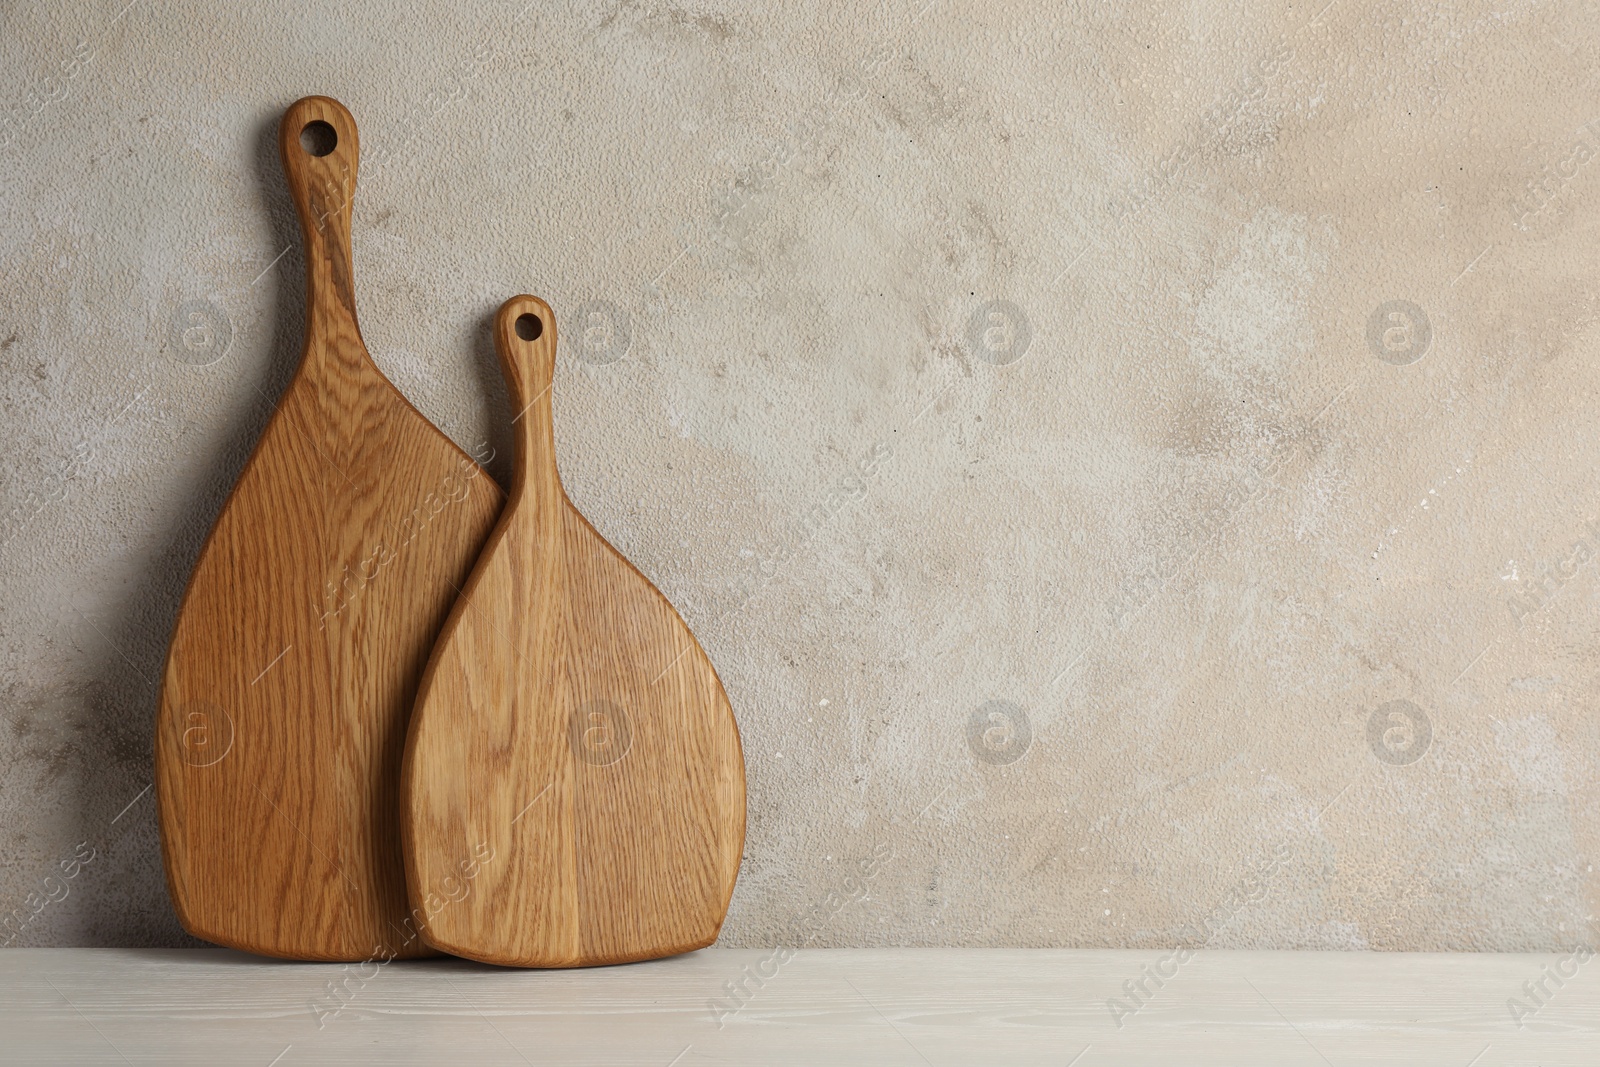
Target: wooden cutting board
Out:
[306,626]
[573,790]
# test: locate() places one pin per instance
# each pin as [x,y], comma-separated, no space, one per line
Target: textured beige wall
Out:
[1134,471]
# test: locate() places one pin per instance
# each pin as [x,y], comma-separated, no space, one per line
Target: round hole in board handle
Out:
[529,327]
[318,138]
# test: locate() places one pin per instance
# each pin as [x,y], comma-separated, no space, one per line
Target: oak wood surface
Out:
[307,624]
[573,790]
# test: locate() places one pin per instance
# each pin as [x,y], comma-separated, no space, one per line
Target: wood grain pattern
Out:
[306,626]
[836,1007]
[573,790]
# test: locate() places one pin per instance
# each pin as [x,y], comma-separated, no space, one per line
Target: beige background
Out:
[1176,520]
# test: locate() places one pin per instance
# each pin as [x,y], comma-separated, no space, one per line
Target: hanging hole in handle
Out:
[318,138]
[529,327]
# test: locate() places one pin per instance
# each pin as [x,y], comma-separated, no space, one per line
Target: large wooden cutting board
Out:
[573,790]
[307,624]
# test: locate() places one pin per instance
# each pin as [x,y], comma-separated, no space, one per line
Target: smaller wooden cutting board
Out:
[573,786]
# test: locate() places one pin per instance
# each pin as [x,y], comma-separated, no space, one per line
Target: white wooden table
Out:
[832,1007]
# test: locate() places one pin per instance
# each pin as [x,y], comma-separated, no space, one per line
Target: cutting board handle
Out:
[320,149]
[525,338]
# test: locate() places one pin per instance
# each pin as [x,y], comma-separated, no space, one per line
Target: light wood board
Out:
[840,1007]
[574,787]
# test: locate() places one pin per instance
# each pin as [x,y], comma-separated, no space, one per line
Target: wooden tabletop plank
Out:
[835,1006]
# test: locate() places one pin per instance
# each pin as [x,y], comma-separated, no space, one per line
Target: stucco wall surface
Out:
[1132,466]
